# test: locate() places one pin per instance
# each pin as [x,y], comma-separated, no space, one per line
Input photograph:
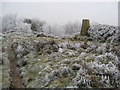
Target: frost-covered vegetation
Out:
[11,23]
[50,60]
[104,32]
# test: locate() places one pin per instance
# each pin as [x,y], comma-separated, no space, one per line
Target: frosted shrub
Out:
[101,72]
[61,50]
[58,30]
[107,72]
[23,28]
[105,58]
[65,71]
[64,45]
[8,23]
[100,50]
[81,79]
[55,74]
[66,61]
[83,54]
[71,28]
[36,24]
[71,53]
[77,46]
[102,32]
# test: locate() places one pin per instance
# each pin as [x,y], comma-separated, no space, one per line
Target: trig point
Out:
[85,27]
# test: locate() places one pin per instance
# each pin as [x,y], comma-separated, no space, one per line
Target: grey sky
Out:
[119,13]
[63,12]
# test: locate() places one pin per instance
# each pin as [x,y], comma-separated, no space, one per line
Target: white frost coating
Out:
[83,54]
[102,32]
[61,50]
[20,48]
[106,58]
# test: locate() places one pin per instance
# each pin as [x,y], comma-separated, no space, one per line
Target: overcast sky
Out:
[64,12]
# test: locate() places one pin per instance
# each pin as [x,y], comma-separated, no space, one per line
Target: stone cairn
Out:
[85,27]
[16,80]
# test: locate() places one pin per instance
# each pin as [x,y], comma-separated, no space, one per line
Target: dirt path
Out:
[15,78]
